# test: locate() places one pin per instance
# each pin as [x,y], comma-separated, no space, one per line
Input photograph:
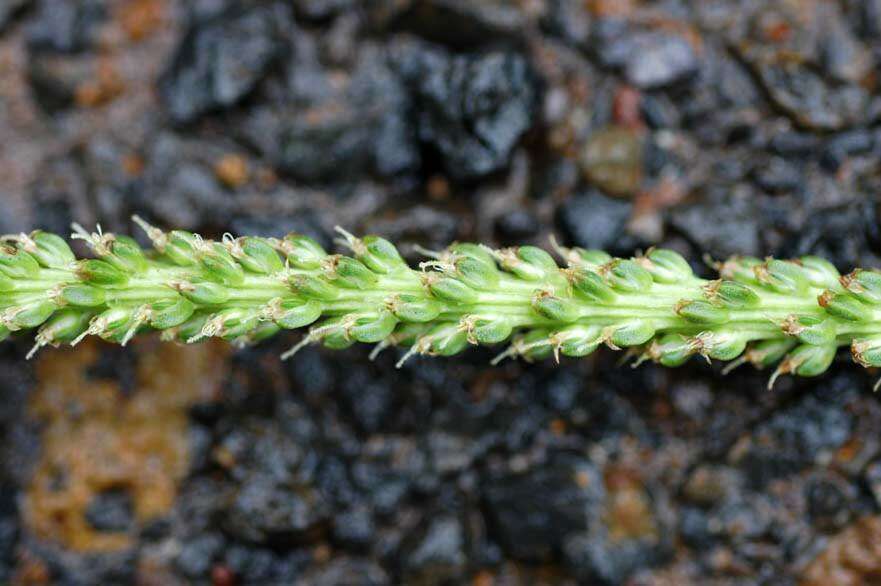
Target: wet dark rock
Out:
[65,26]
[252,565]
[9,9]
[55,79]
[220,61]
[438,556]
[197,555]
[111,511]
[649,59]
[595,560]
[8,531]
[569,20]
[794,144]
[532,514]
[369,401]
[796,436]
[354,529]
[839,148]
[720,228]
[594,220]
[473,109]
[462,24]
[321,10]
[346,570]
[516,226]
[829,501]
[777,175]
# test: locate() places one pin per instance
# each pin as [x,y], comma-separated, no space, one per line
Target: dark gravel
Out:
[725,127]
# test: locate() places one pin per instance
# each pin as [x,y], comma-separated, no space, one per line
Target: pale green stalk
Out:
[792,313]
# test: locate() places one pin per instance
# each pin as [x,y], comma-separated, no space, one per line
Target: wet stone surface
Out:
[725,127]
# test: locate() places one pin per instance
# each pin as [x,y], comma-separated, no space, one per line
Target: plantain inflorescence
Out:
[792,314]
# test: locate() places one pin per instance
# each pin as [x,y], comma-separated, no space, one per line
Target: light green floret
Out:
[794,314]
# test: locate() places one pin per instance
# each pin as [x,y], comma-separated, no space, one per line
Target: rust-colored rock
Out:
[852,558]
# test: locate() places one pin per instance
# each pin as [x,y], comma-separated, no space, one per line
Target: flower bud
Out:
[231,323]
[529,263]
[867,351]
[205,293]
[632,333]
[667,266]
[671,350]
[555,308]
[311,287]
[719,345]
[414,308]
[450,289]
[701,312]
[301,251]
[781,276]
[820,272]
[732,294]
[590,286]
[626,276]
[16,263]
[577,341]
[126,255]
[50,250]
[348,273]
[844,306]
[256,255]
[220,267]
[810,330]
[379,255]
[865,285]
[99,272]
[295,313]
[82,295]
[372,328]
[169,313]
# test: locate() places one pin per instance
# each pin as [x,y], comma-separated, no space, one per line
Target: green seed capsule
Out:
[867,351]
[407,334]
[51,250]
[591,257]
[632,333]
[31,315]
[6,284]
[844,306]
[206,293]
[414,308]
[671,350]
[784,277]
[372,328]
[591,286]
[667,266]
[451,290]
[627,276]
[4,333]
[701,312]
[335,336]
[732,294]
[808,360]
[100,272]
[83,295]
[448,340]
[720,345]
[379,255]
[262,331]
[473,251]
[220,267]
[17,264]
[740,269]
[767,352]
[811,330]
[64,326]
[170,313]
[349,273]
[577,341]
[477,274]
[865,285]
[180,248]
[294,313]
[301,251]
[555,308]
[126,255]
[536,345]
[820,272]
[529,263]
[257,256]
[192,327]
[491,331]
[236,322]
[311,287]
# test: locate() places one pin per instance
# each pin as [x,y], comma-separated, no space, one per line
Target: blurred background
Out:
[709,126]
